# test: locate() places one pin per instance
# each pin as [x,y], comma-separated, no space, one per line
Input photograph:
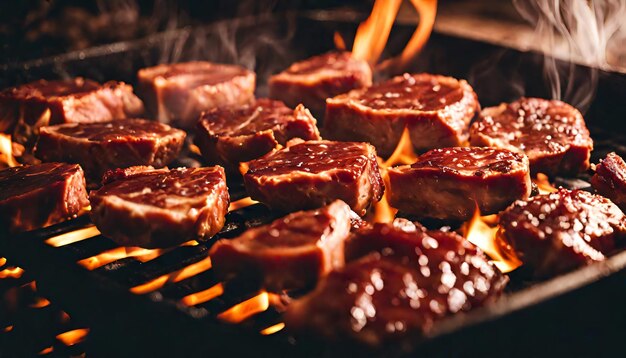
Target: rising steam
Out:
[576,31]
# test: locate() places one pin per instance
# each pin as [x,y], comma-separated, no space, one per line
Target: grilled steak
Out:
[393,297]
[230,136]
[25,108]
[610,179]
[449,183]
[556,232]
[436,110]
[290,253]
[312,174]
[178,93]
[313,80]
[161,208]
[98,147]
[551,133]
[36,196]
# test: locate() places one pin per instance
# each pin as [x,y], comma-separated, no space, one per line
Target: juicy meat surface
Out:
[399,282]
[40,195]
[161,208]
[290,253]
[23,109]
[436,110]
[178,93]
[98,147]
[551,133]
[315,79]
[230,136]
[610,179]
[449,183]
[315,173]
[556,232]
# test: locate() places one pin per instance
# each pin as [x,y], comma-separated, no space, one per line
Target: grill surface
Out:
[140,304]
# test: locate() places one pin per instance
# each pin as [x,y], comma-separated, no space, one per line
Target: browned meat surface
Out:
[125,173]
[291,253]
[98,147]
[436,110]
[230,136]
[554,233]
[161,208]
[312,174]
[178,93]
[315,79]
[448,183]
[610,179]
[25,108]
[551,133]
[392,297]
[40,195]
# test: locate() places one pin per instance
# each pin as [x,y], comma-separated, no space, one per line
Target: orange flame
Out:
[40,303]
[12,272]
[480,233]
[73,337]
[2,261]
[404,152]
[7,329]
[340,44]
[273,329]
[176,276]
[544,185]
[194,149]
[73,236]
[241,203]
[46,350]
[248,308]
[6,152]
[203,296]
[118,253]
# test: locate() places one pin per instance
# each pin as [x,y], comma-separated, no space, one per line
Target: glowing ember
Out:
[12,272]
[6,152]
[248,308]
[340,44]
[46,350]
[479,233]
[2,261]
[203,296]
[65,317]
[40,303]
[73,236]
[241,203]
[7,329]
[243,168]
[73,337]
[118,253]
[273,329]
[175,276]
[543,184]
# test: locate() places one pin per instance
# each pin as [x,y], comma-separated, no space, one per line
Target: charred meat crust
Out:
[435,109]
[162,208]
[313,174]
[36,196]
[610,179]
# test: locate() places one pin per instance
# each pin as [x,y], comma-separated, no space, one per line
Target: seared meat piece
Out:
[125,173]
[161,208]
[315,79]
[448,183]
[436,110]
[178,93]
[230,136]
[551,133]
[392,298]
[25,108]
[290,253]
[554,233]
[312,174]
[610,179]
[98,147]
[40,195]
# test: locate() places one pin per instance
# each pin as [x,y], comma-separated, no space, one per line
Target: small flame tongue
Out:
[7,160]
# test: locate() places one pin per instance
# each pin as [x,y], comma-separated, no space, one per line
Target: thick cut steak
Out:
[554,233]
[392,297]
[315,79]
[230,136]
[25,108]
[161,208]
[36,196]
[436,110]
[610,179]
[178,93]
[315,173]
[450,183]
[290,253]
[98,147]
[551,133]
